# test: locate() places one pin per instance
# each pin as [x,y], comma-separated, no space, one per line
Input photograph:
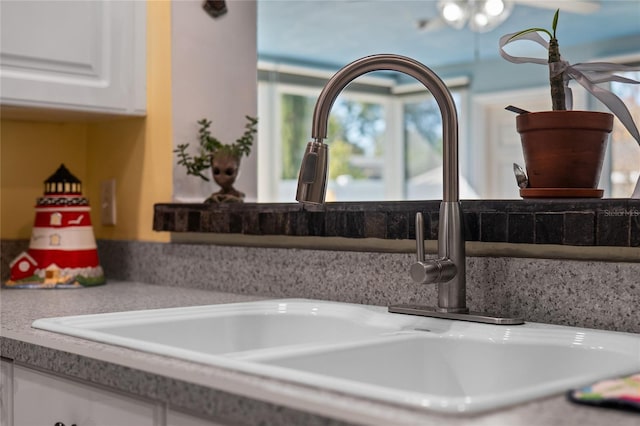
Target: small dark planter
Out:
[564,149]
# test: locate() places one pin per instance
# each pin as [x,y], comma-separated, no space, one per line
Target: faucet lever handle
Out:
[434,270]
[420,237]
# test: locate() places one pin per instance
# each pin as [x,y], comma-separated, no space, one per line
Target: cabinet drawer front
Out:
[43,399]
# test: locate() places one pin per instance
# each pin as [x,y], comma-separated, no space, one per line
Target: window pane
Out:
[423,149]
[296,113]
[423,137]
[355,134]
[625,155]
[355,138]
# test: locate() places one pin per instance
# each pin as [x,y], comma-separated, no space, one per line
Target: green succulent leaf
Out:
[551,35]
[530,30]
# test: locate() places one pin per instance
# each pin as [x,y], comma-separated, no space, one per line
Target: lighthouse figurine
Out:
[62,251]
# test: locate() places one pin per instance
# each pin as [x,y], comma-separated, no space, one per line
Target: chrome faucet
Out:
[448,269]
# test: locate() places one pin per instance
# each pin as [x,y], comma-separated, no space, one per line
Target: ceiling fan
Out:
[484,15]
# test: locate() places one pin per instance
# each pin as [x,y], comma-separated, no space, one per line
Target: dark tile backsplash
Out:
[521,228]
[634,228]
[548,228]
[614,222]
[493,227]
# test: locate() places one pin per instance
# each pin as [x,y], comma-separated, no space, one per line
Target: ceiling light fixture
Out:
[480,15]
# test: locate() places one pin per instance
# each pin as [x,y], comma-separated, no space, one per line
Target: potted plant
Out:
[564,149]
[223,160]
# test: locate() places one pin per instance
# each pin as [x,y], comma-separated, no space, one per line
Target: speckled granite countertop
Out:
[224,395]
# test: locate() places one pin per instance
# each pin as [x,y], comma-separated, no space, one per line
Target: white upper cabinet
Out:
[78,55]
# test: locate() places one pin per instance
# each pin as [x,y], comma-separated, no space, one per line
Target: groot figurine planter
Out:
[224,166]
[224,160]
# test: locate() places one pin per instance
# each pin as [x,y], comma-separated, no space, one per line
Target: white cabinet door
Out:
[175,418]
[84,55]
[6,384]
[41,399]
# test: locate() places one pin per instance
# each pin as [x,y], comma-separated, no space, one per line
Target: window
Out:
[383,146]
[55,219]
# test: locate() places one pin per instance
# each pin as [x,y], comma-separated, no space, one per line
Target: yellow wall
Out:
[30,153]
[134,151]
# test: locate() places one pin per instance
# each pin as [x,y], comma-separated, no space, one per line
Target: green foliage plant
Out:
[556,80]
[588,75]
[210,146]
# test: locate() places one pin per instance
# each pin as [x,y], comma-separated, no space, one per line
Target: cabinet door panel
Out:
[78,55]
[43,399]
[26,49]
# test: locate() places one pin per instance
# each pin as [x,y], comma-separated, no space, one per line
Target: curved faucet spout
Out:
[448,270]
[420,72]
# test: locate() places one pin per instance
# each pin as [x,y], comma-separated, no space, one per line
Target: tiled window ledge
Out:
[614,222]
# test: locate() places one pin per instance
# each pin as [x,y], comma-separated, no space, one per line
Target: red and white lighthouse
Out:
[62,252]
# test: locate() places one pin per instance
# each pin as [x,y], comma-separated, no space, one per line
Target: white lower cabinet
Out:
[6,401]
[42,399]
[31,397]
[175,418]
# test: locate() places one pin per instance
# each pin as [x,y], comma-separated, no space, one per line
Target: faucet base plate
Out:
[427,311]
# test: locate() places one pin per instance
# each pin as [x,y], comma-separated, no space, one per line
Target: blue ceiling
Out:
[332,33]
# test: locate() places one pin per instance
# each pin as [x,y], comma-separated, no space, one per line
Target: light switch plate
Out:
[108,202]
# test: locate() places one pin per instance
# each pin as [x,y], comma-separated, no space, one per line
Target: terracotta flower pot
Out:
[564,149]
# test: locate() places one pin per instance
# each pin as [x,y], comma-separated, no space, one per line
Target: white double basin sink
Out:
[428,363]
